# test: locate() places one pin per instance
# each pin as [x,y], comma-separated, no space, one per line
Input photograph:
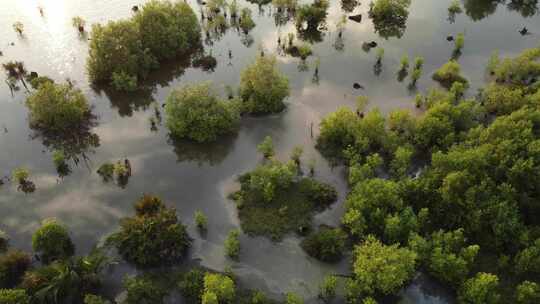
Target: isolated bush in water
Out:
[449,73]
[195,112]
[389,16]
[57,107]
[52,242]
[263,87]
[153,237]
[123,52]
[312,14]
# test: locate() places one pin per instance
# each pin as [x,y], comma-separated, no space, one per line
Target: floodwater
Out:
[193,177]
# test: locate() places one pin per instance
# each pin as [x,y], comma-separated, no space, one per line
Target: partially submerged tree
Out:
[153,237]
[449,73]
[52,242]
[196,113]
[389,16]
[263,87]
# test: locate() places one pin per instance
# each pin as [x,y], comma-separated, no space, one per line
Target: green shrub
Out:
[221,286]
[455,7]
[389,16]
[122,81]
[78,23]
[528,259]
[404,63]
[528,293]
[519,70]
[232,244]
[327,244]
[14,296]
[481,289]
[52,242]
[292,298]
[195,113]
[106,171]
[296,154]
[460,42]
[246,22]
[266,147]
[312,14]
[327,290]
[143,290]
[270,178]
[123,52]
[192,284]
[20,175]
[57,107]
[380,269]
[263,87]
[13,264]
[201,221]
[502,99]
[449,73]
[151,238]
[167,29]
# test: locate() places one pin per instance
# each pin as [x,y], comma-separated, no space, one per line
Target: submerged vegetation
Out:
[389,16]
[275,199]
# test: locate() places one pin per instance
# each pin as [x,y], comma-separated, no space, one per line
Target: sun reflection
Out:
[49,13]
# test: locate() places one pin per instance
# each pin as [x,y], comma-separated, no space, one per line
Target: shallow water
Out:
[192,177]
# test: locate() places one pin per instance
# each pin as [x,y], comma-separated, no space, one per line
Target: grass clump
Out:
[327,290]
[194,112]
[274,200]
[455,8]
[246,21]
[263,87]
[449,73]
[266,147]
[153,237]
[389,16]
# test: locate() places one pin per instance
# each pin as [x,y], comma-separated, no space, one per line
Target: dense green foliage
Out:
[471,205]
[195,113]
[449,73]
[327,244]
[389,16]
[274,200]
[219,287]
[481,289]
[52,242]
[528,293]
[57,107]
[124,52]
[153,237]
[14,296]
[143,290]
[93,299]
[380,269]
[263,87]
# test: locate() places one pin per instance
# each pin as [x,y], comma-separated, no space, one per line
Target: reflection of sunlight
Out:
[54,13]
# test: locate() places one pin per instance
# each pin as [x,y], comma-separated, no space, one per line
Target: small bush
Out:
[327,244]
[292,298]
[455,7]
[93,299]
[18,27]
[389,16]
[528,293]
[246,22]
[195,113]
[449,73]
[57,107]
[13,265]
[232,244]
[459,43]
[142,290]
[201,221]
[312,14]
[480,289]
[266,147]
[221,286]
[327,290]
[52,242]
[151,238]
[263,87]
[20,175]
[78,23]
